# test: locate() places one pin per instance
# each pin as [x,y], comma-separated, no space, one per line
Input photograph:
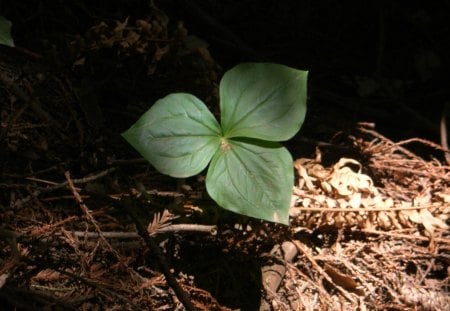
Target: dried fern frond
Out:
[160,221]
[344,196]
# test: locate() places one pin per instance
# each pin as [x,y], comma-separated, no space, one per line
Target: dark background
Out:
[376,61]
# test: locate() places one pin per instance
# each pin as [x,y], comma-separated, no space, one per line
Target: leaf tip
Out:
[277,218]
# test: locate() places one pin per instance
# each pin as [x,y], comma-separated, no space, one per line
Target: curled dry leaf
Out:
[346,181]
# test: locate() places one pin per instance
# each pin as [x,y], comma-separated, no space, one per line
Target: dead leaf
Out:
[48,275]
[343,280]
[346,181]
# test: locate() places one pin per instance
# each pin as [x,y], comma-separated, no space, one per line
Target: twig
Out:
[48,182]
[90,178]
[36,232]
[63,197]
[212,229]
[133,235]
[422,141]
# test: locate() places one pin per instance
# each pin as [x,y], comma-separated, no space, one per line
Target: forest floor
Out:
[85,224]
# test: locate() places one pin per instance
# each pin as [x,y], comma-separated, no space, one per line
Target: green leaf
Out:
[253,178]
[178,135]
[263,101]
[5,32]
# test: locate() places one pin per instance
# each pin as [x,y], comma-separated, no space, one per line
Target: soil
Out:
[86,224]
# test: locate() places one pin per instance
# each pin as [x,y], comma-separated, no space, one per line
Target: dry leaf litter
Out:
[400,261]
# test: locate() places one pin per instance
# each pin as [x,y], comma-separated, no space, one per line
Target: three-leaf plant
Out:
[250,173]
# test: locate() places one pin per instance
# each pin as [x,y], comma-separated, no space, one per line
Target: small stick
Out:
[133,235]
[48,182]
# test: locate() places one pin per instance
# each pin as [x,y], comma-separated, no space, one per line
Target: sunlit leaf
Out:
[178,135]
[263,101]
[253,178]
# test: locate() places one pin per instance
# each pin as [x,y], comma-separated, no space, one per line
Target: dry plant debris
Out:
[400,261]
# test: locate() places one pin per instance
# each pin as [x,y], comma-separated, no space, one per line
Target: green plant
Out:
[5,32]
[250,172]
